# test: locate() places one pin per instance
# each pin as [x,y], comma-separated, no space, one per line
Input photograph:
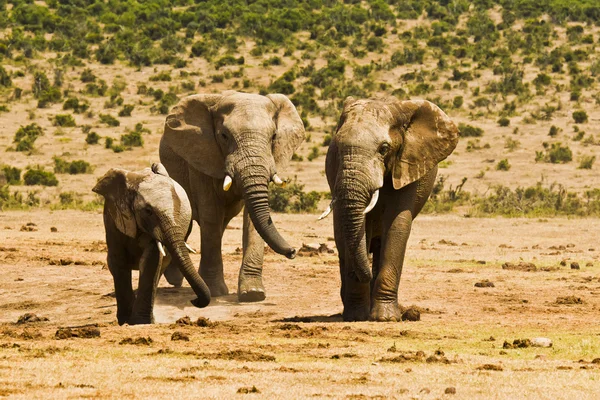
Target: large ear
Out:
[428,137]
[113,187]
[290,129]
[189,132]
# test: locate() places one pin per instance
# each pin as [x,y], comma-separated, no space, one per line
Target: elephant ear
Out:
[113,187]
[190,133]
[428,137]
[290,129]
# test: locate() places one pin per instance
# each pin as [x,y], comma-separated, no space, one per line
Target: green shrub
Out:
[92,138]
[442,200]
[37,176]
[73,168]
[64,120]
[580,117]
[108,143]
[457,102]
[292,198]
[314,153]
[326,140]
[587,162]
[132,139]
[503,165]
[126,110]
[469,131]
[43,91]
[503,121]
[87,76]
[5,80]
[78,107]
[12,175]
[554,131]
[555,153]
[511,144]
[109,120]
[163,76]
[26,136]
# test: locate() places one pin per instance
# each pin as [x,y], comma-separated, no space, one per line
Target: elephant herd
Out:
[218,154]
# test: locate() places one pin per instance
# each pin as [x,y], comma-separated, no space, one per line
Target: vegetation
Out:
[503,165]
[12,175]
[74,167]
[555,153]
[580,117]
[469,131]
[26,136]
[292,198]
[37,176]
[64,120]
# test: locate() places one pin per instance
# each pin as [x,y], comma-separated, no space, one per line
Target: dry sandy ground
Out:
[257,348]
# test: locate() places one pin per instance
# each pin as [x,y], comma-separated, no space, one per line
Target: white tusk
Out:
[327,211]
[161,248]
[190,248]
[373,202]
[227,183]
[278,180]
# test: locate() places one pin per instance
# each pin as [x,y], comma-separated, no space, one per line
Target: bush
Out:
[469,131]
[503,165]
[126,110]
[163,76]
[12,175]
[73,103]
[587,162]
[292,198]
[504,122]
[73,168]
[92,138]
[580,117]
[42,90]
[314,153]
[109,120]
[554,131]
[37,176]
[87,76]
[64,120]
[457,102]
[5,80]
[555,154]
[132,139]
[26,136]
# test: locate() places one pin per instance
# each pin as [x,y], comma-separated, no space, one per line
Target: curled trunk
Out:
[257,201]
[180,256]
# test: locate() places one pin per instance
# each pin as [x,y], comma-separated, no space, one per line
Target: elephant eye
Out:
[148,211]
[384,149]
[224,137]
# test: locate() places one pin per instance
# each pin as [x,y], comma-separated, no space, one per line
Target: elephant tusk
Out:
[278,180]
[190,248]
[373,202]
[327,211]
[227,183]
[161,248]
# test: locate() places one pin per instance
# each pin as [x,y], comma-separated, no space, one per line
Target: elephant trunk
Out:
[181,257]
[351,200]
[256,196]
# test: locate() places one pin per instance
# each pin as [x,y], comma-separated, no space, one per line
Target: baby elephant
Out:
[381,167]
[144,212]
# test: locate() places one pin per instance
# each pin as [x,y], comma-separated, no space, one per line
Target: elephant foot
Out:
[217,288]
[174,276]
[250,289]
[352,314]
[141,320]
[385,311]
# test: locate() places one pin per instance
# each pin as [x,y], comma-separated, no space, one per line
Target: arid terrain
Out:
[294,344]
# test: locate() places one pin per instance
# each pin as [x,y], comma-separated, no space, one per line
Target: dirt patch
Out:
[568,300]
[246,390]
[29,227]
[238,355]
[89,332]
[517,344]
[201,322]
[416,356]
[411,314]
[29,318]
[490,367]
[485,284]
[521,266]
[138,341]
[180,336]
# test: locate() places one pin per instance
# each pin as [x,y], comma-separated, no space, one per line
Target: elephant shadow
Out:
[313,319]
[180,298]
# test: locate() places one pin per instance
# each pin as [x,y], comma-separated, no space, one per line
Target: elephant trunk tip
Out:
[200,302]
[291,253]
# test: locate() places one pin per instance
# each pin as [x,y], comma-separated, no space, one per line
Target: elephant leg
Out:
[121,274]
[149,276]
[397,221]
[211,260]
[250,284]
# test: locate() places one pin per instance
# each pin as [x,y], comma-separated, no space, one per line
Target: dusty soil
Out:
[293,344]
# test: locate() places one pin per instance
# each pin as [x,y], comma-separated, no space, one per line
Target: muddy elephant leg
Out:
[121,274]
[149,276]
[250,284]
[211,260]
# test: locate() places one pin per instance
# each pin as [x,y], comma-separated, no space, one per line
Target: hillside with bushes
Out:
[86,85]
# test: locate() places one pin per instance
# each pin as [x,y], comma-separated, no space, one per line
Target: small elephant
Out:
[144,212]
[224,149]
[381,167]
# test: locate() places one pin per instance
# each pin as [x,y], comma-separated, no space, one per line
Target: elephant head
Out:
[149,203]
[242,139]
[376,142]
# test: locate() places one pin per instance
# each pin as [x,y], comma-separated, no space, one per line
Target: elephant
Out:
[144,212]
[381,166]
[225,149]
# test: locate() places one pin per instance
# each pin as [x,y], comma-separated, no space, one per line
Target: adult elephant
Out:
[381,167]
[144,213]
[224,149]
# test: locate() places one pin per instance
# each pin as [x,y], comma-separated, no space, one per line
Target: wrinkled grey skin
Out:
[393,146]
[141,208]
[249,138]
